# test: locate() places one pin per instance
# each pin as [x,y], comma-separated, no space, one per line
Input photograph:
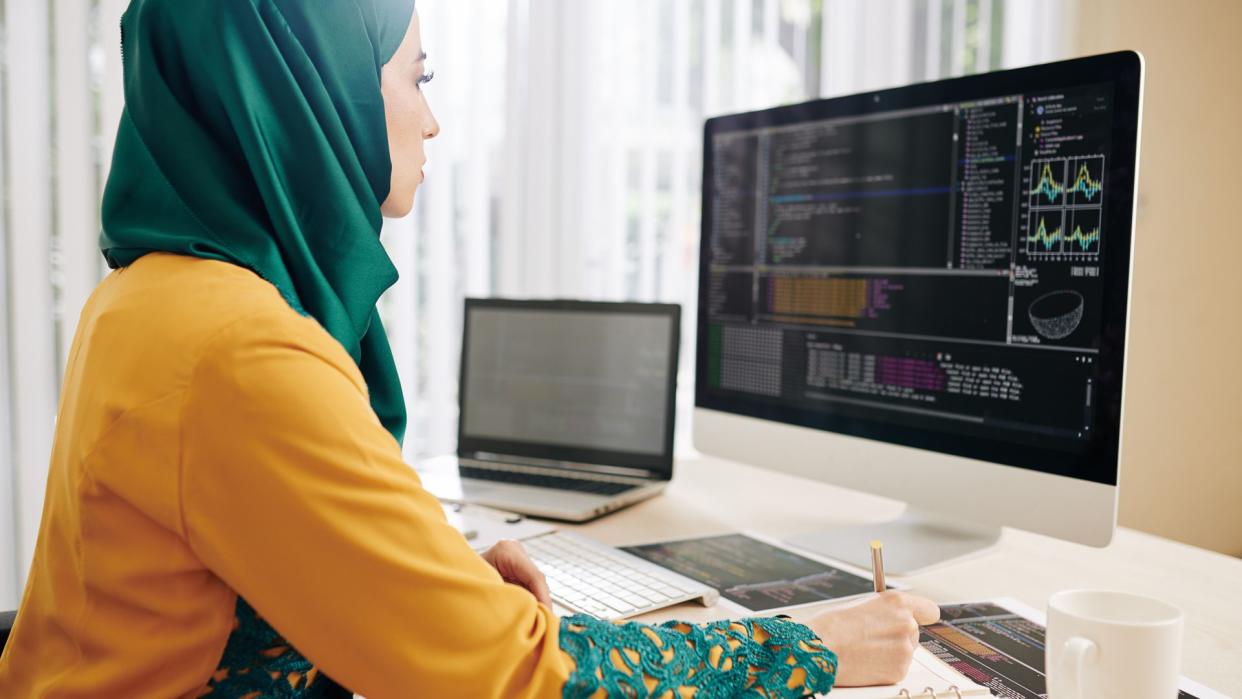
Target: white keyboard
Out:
[587,576]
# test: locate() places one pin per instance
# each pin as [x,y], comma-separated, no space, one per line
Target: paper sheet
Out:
[925,671]
[484,526]
[757,574]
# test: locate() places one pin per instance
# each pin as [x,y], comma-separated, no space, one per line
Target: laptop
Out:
[567,407]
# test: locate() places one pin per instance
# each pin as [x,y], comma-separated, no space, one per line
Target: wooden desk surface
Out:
[710,496]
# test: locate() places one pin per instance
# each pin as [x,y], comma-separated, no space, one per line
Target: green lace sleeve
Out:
[760,658]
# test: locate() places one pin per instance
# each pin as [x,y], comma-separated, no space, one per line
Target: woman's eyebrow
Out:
[422,56]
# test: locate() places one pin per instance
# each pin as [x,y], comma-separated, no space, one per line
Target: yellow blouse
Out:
[211,442]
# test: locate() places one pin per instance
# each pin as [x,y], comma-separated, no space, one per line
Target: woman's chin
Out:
[397,207]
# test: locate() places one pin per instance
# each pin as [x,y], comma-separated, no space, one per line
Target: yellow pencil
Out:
[877,565]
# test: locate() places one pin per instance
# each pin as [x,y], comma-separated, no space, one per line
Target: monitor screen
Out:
[569,380]
[943,266]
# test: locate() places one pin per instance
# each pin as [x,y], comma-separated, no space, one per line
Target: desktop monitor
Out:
[922,293]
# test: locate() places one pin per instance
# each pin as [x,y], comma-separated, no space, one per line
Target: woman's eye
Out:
[424,78]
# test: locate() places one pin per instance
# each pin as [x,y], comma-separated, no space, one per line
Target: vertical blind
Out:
[568,166]
[60,100]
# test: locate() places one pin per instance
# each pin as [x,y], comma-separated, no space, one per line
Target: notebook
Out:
[928,679]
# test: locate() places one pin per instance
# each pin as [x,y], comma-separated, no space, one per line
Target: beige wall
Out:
[1181,471]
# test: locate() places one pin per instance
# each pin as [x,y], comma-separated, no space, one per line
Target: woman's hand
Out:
[510,560]
[876,639]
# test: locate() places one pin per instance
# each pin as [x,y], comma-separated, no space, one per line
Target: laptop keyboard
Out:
[540,480]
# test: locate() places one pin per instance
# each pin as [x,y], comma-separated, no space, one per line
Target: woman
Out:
[227,510]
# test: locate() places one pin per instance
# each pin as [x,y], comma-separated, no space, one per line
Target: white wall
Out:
[1182,455]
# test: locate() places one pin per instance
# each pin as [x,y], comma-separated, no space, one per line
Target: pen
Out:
[877,565]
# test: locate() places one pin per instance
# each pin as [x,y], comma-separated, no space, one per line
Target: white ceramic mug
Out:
[1112,645]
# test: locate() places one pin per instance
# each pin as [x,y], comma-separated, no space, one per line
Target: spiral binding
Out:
[931,693]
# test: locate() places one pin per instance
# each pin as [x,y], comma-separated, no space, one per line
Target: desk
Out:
[711,496]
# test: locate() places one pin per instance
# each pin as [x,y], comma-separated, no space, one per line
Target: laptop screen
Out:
[570,380]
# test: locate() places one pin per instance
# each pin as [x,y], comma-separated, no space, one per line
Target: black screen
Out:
[585,379]
[586,382]
[942,266]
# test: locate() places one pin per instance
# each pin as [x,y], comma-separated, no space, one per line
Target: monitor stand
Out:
[914,541]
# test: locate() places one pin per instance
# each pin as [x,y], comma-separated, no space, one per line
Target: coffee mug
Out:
[1112,645]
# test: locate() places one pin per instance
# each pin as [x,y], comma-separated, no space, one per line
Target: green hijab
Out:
[254,133]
